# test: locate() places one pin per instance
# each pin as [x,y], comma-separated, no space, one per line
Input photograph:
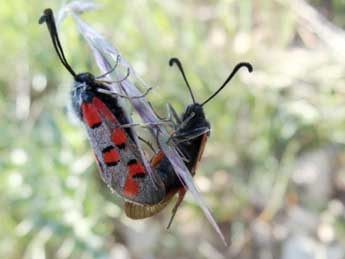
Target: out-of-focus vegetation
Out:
[274,169]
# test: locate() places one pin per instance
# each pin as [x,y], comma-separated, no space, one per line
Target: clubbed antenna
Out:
[48,18]
[176,61]
[232,74]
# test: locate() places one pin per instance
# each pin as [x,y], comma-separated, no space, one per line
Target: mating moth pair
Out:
[146,184]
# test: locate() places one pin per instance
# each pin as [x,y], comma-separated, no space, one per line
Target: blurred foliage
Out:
[274,168]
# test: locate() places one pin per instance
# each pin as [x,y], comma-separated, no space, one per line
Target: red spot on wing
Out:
[103,109]
[90,115]
[111,156]
[135,168]
[118,136]
[131,187]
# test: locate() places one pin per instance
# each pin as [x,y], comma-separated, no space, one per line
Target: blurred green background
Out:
[274,169]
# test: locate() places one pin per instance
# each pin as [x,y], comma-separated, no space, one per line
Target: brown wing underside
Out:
[137,211]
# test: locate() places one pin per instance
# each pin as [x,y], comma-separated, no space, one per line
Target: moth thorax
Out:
[195,109]
[86,77]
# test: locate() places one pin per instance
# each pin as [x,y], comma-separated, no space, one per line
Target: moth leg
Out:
[181,194]
[148,144]
[190,135]
[173,113]
[158,116]
[150,124]
[181,126]
[187,136]
[104,91]
[171,116]
[112,69]
[184,123]
[184,157]
[118,81]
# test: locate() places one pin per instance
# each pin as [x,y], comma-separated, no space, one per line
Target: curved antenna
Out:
[176,61]
[234,71]
[48,18]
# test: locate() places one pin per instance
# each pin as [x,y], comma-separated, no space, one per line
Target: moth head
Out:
[86,77]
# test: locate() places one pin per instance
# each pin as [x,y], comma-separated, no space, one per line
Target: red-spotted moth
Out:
[116,150]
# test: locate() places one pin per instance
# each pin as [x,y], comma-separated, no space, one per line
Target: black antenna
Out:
[48,18]
[234,71]
[176,61]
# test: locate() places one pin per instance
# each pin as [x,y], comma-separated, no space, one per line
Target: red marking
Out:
[156,159]
[118,136]
[103,109]
[90,114]
[131,187]
[135,168]
[111,156]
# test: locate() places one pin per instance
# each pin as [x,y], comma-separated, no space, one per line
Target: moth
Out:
[191,132]
[120,164]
